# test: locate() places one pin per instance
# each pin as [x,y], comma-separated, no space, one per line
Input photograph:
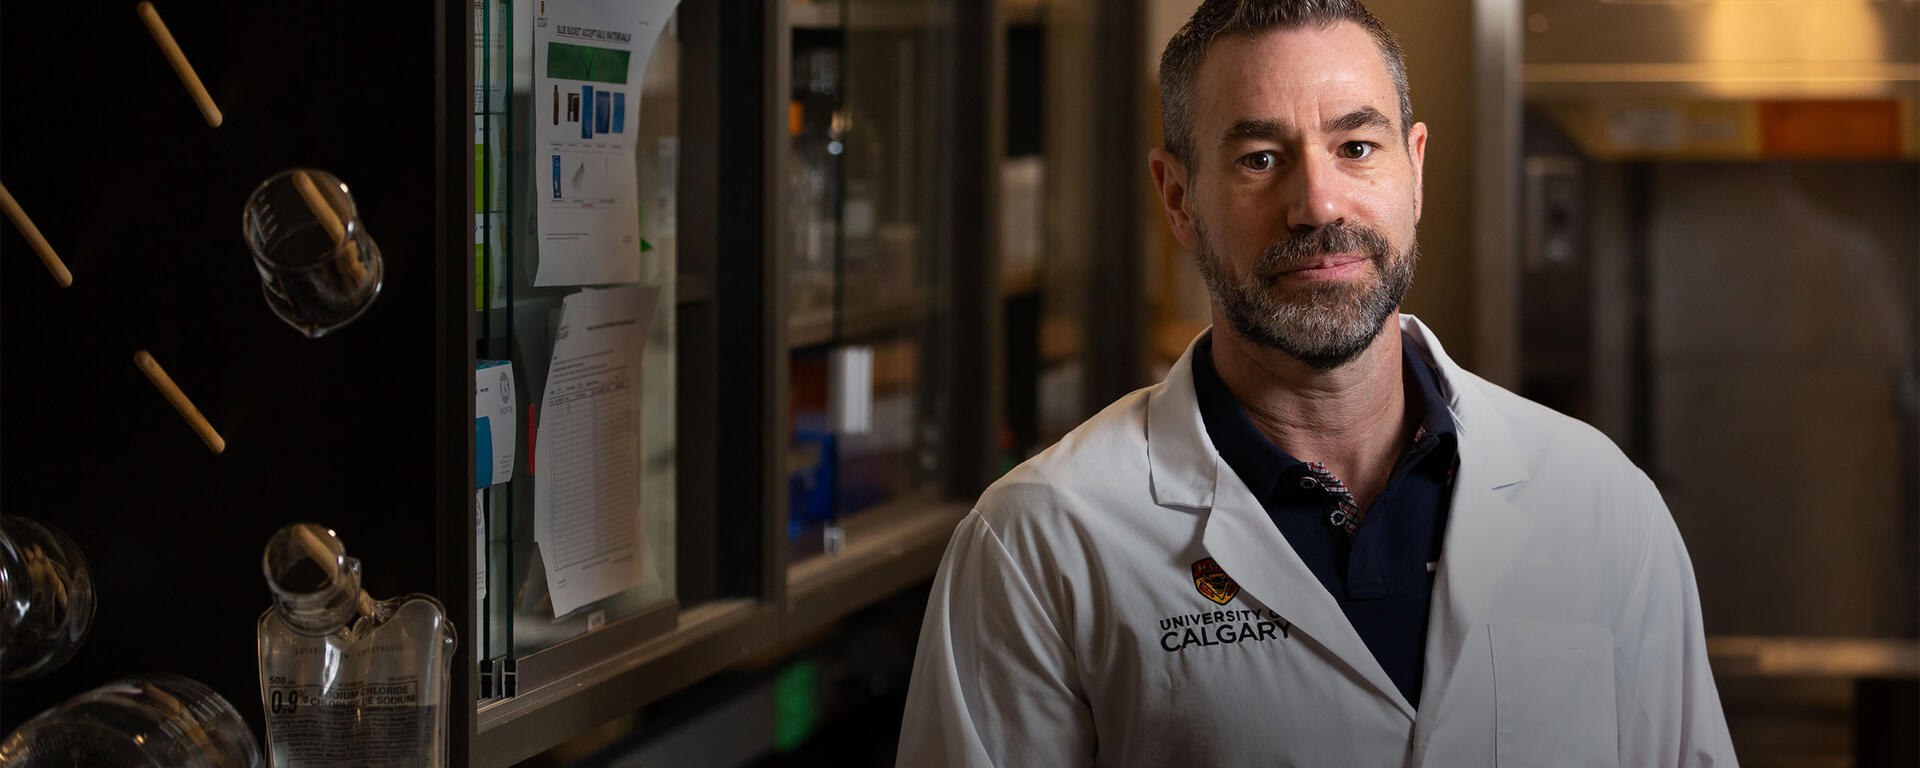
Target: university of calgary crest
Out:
[1214,582]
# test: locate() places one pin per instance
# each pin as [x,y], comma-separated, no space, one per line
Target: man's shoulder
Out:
[1594,522]
[1542,435]
[1543,439]
[1096,466]
[1567,460]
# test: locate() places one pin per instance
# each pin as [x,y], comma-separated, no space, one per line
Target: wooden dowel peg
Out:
[320,553]
[317,550]
[171,49]
[322,209]
[329,220]
[39,243]
[178,399]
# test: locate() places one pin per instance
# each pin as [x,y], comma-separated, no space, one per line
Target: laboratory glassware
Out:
[347,680]
[318,267]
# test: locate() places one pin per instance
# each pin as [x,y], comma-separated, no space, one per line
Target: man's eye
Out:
[1356,150]
[1258,161]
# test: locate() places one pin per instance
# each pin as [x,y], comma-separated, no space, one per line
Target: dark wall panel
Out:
[103,147]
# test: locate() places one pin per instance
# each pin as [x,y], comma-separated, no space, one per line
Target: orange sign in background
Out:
[1829,128]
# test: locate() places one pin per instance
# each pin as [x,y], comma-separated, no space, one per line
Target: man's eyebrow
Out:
[1364,117]
[1250,128]
[1275,130]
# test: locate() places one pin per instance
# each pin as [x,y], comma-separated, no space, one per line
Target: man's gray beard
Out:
[1324,325]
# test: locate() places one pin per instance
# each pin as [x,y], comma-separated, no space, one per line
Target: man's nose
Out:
[1316,195]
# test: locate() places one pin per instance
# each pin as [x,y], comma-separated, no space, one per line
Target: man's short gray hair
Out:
[1220,17]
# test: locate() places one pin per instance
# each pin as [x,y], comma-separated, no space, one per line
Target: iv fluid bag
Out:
[346,680]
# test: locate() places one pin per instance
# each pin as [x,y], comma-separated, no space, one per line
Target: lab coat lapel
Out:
[1186,471]
[1485,532]
[1244,541]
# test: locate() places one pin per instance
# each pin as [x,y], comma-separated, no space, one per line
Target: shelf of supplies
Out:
[1025,13]
[887,549]
[825,14]
[806,15]
[1828,657]
[815,327]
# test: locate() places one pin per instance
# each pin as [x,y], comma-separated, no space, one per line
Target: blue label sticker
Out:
[556,177]
[619,112]
[602,112]
[482,453]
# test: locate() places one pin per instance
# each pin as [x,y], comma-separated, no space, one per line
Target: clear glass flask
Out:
[46,598]
[157,721]
[347,680]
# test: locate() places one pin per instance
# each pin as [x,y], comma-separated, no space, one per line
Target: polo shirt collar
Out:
[1258,462]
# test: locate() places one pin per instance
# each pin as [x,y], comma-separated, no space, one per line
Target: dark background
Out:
[105,150]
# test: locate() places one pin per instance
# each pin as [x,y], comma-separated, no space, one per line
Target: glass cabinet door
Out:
[490,301]
[864,324]
[525,643]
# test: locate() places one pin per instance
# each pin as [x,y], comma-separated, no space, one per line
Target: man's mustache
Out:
[1305,245]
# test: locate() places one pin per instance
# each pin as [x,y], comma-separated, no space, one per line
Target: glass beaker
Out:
[154,721]
[318,268]
[46,598]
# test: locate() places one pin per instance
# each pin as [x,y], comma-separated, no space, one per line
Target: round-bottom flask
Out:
[46,598]
[157,721]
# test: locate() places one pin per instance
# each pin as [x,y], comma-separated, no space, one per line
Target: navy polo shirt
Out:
[1380,575]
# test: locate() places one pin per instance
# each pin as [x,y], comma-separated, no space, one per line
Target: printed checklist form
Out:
[586,479]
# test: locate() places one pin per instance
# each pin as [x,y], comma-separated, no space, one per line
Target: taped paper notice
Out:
[587,453]
[589,56]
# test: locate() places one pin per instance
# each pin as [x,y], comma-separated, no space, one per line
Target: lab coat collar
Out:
[1177,440]
[1186,472]
[1482,431]
[1176,434]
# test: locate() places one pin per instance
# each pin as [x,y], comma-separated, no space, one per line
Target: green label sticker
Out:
[794,706]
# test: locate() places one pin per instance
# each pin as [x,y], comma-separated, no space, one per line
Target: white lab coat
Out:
[1565,627]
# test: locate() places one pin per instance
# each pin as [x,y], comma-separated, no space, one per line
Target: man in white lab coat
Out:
[1319,541]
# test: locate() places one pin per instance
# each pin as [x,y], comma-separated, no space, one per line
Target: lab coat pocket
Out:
[1553,691]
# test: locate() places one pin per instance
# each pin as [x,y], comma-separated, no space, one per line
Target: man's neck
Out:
[1352,418]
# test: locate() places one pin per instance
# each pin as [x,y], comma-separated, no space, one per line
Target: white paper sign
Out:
[587,451]
[589,57]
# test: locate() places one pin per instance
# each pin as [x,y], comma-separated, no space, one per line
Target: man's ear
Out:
[1417,152]
[1170,179]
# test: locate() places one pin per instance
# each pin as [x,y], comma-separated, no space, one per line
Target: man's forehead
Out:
[1311,73]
